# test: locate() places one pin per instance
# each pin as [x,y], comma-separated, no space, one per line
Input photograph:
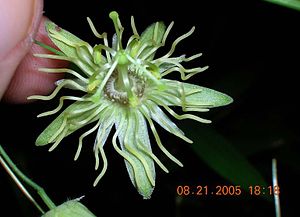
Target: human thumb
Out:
[19,21]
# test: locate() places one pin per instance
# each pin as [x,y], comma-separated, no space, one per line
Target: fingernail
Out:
[16,17]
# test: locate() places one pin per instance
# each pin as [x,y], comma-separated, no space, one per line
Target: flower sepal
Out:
[195,95]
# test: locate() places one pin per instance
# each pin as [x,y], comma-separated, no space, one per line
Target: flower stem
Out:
[12,168]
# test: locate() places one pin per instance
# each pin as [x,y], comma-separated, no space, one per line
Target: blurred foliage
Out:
[224,158]
[294,4]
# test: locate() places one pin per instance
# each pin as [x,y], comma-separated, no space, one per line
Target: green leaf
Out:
[63,39]
[224,158]
[293,4]
[199,96]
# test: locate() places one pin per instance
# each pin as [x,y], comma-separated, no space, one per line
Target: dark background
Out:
[252,48]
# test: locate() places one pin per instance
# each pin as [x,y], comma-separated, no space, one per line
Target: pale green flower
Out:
[71,208]
[125,87]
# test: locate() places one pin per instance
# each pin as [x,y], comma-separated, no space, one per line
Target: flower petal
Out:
[103,133]
[107,122]
[164,121]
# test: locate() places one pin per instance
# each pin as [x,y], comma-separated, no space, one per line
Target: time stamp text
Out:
[227,190]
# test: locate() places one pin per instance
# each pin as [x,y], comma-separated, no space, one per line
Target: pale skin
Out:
[22,21]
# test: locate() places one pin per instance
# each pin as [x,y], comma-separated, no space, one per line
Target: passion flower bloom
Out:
[124,87]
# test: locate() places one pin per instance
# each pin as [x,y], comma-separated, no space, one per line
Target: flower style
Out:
[124,88]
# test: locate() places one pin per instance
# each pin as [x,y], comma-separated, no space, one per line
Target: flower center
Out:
[116,92]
